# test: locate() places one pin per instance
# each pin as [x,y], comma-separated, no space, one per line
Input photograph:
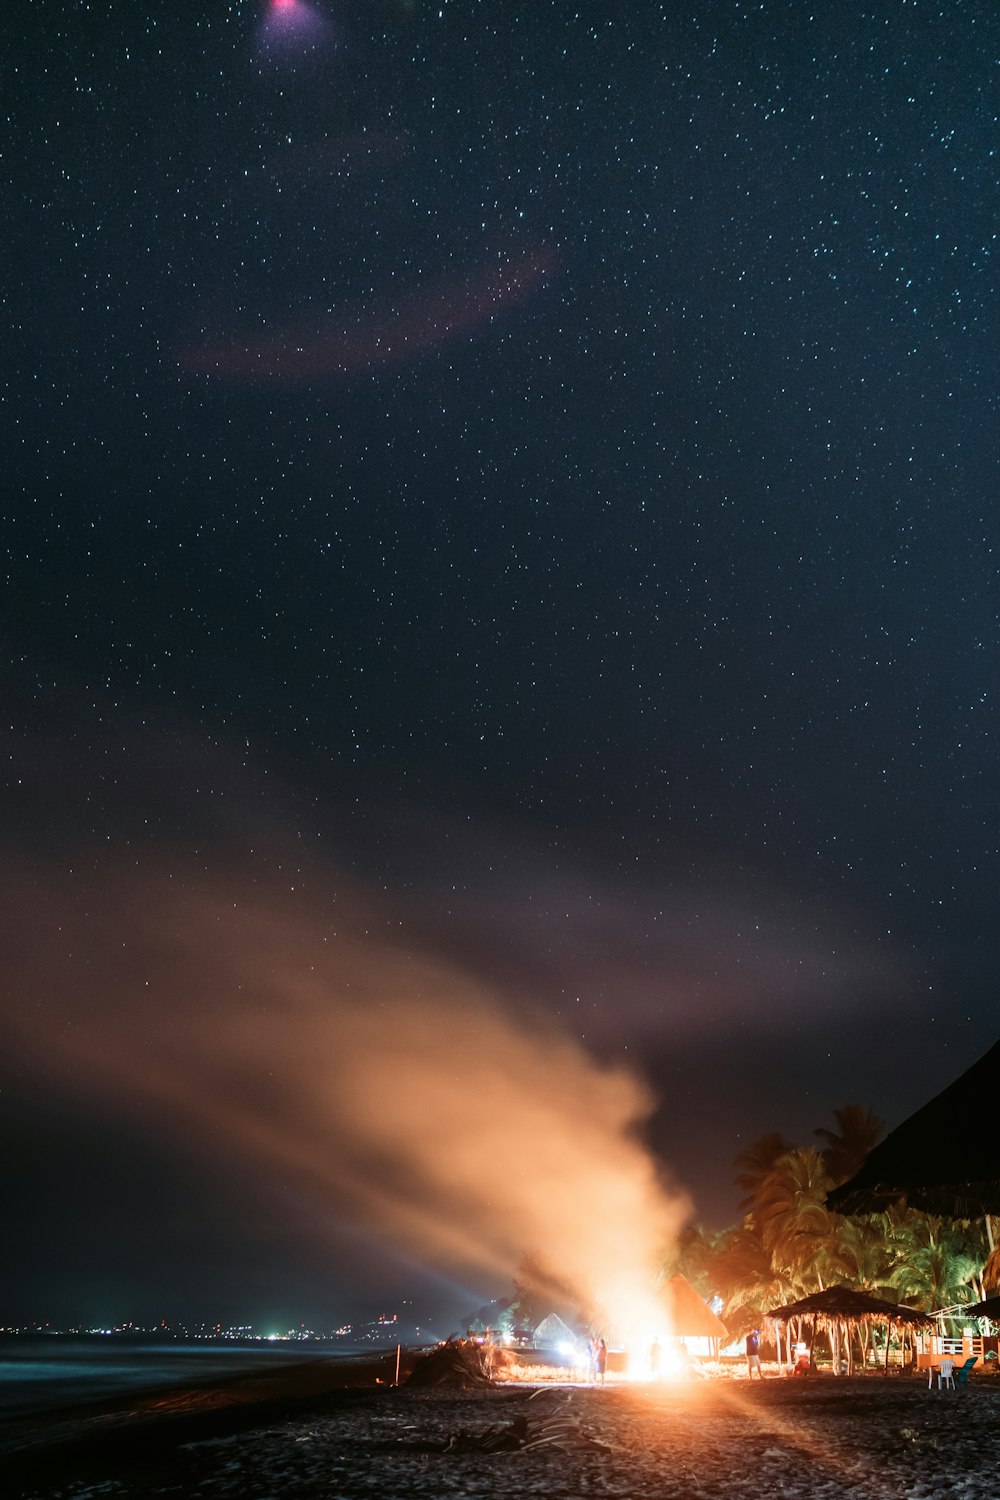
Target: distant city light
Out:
[378,1331]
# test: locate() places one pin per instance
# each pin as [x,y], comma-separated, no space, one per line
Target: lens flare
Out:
[291,32]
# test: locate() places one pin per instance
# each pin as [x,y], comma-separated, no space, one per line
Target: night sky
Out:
[529,473]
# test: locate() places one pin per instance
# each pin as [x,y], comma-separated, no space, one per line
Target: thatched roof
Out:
[943,1160]
[849,1304]
[688,1315]
[988,1309]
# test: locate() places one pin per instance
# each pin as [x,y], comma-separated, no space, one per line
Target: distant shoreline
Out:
[129,1423]
[39,1375]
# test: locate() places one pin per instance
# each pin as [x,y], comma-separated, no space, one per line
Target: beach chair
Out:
[946,1375]
[962,1373]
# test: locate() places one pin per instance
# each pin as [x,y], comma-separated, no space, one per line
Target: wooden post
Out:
[396,1381]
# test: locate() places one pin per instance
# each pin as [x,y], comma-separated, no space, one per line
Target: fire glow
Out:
[390,1086]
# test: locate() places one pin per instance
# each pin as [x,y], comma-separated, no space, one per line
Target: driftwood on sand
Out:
[553,1424]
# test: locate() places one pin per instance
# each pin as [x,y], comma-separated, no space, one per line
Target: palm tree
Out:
[858,1132]
[991,1267]
[796,1226]
[744,1275]
[754,1163]
[694,1258]
[937,1262]
[865,1250]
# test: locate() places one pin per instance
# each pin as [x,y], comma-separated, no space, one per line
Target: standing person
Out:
[753,1354]
[654,1359]
[601,1360]
[591,1358]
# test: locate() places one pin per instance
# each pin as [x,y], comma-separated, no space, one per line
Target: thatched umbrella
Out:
[942,1160]
[844,1304]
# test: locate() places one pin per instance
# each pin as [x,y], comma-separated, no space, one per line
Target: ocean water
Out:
[42,1374]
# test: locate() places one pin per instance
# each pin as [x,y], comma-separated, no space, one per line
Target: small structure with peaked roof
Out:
[688,1315]
[553,1333]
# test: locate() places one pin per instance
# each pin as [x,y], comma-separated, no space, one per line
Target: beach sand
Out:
[869,1438]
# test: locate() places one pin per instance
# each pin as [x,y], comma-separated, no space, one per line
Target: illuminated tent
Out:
[688,1315]
[943,1159]
[553,1332]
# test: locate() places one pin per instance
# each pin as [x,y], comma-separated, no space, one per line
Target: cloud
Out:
[381,334]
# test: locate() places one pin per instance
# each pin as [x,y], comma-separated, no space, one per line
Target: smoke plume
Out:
[284,1021]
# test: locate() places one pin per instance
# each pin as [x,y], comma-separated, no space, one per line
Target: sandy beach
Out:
[871,1438]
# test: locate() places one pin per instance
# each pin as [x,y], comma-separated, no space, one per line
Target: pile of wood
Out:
[460,1363]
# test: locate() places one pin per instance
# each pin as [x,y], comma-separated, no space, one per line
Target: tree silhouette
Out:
[847,1148]
[796,1226]
[755,1162]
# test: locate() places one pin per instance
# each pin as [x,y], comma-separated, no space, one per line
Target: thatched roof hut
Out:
[849,1305]
[844,1307]
[943,1159]
[688,1315]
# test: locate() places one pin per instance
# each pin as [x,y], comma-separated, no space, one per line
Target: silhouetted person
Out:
[654,1359]
[601,1361]
[753,1354]
[591,1358]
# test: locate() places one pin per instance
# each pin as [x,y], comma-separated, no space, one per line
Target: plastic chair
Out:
[962,1373]
[946,1374]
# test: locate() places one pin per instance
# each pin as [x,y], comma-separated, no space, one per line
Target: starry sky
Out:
[533,468]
